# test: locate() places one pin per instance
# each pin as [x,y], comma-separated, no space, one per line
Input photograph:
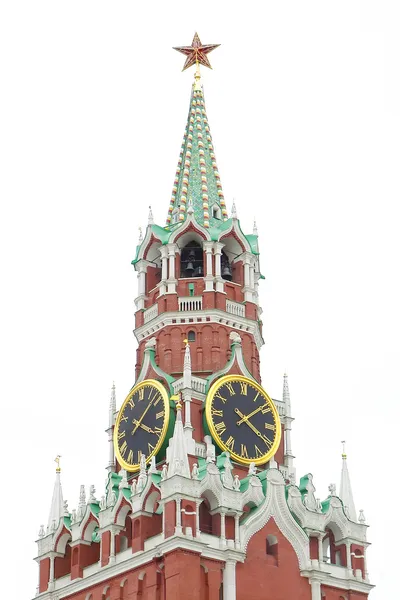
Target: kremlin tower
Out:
[202,501]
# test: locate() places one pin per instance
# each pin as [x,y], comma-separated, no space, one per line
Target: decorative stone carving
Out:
[153,468]
[195,471]
[103,503]
[151,344]
[123,484]
[227,477]
[236,483]
[332,489]
[235,338]
[309,498]
[361,516]
[92,491]
[41,531]
[210,449]
[66,511]
[133,487]
[164,472]
[252,469]
[73,516]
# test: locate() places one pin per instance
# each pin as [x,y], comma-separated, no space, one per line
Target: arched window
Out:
[272,547]
[191,336]
[192,260]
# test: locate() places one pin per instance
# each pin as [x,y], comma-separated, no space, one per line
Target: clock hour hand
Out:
[143,426]
[137,423]
[246,417]
[245,420]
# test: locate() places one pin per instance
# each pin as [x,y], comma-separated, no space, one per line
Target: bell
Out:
[227,272]
[198,272]
[190,265]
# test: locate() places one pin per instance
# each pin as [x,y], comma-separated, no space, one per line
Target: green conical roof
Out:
[197,181]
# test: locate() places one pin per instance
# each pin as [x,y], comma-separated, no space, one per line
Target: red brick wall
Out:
[258,578]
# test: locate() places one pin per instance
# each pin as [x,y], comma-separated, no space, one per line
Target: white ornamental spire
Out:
[151,218]
[255,230]
[57,502]
[178,462]
[288,426]
[234,211]
[111,422]
[187,367]
[346,495]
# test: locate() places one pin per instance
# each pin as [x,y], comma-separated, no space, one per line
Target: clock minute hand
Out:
[137,423]
[246,417]
[245,420]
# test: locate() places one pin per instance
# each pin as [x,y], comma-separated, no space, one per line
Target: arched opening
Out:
[191,336]
[226,268]
[153,271]
[205,518]
[192,260]
[272,549]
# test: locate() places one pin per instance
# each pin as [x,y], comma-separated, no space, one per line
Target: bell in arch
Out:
[190,263]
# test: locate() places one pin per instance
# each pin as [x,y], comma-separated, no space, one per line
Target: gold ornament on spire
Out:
[344,455]
[57,460]
[196,54]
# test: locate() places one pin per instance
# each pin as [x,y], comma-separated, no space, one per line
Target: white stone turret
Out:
[288,455]
[177,456]
[57,501]
[345,494]
[111,422]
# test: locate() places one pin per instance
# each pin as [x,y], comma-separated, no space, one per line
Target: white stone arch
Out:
[275,506]
[62,541]
[123,510]
[153,253]
[151,500]
[186,228]
[88,531]
[211,498]
[106,593]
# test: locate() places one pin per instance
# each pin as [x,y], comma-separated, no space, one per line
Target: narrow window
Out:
[192,336]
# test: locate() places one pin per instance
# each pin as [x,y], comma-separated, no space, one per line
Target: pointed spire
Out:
[140,235]
[187,367]
[57,502]
[234,211]
[197,149]
[255,230]
[178,462]
[150,219]
[346,495]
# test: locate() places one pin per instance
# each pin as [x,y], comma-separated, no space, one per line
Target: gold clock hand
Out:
[137,424]
[245,418]
[143,426]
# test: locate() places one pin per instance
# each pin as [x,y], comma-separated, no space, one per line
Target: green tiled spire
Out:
[197,181]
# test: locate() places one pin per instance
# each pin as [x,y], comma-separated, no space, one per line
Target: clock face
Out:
[243,419]
[142,424]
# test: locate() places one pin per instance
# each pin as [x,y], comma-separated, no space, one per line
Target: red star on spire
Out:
[196,53]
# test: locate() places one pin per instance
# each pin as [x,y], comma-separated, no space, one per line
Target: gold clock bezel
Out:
[236,457]
[165,398]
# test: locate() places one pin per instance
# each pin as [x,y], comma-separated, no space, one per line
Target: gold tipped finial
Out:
[177,399]
[344,455]
[57,460]
[186,342]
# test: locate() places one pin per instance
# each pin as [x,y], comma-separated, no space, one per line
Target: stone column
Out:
[112,546]
[219,285]
[141,269]
[320,549]
[171,281]
[230,580]
[248,289]
[198,502]
[51,575]
[315,589]
[178,527]
[223,534]
[237,531]
[209,278]
[164,270]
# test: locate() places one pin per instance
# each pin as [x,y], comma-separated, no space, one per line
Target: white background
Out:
[303,103]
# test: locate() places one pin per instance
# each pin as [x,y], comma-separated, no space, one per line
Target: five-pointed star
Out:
[196,53]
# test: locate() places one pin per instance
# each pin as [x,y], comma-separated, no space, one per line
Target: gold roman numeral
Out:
[157,400]
[218,395]
[267,441]
[157,431]
[150,448]
[139,456]
[230,442]
[258,451]
[130,457]
[131,403]
[123,448]
[160,414]
[123,418]
[141,393]
[243,451]
[220,428]
[216,413]
[243,388]
[229,386]
[256,396]
[270,426]
[121,434]
[266,409]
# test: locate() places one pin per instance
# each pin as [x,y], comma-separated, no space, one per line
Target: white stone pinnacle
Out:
[178,462]
[57,502]
[346,495]
[255,230]
[151,219]
[187,368]
[234,212]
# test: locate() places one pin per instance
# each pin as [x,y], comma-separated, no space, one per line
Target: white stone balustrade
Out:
[150,313]
[235,308]
[190,303]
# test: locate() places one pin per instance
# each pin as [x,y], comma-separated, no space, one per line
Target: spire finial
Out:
[140,235]
[234,211]
[255,230]
[57,460]
[150,219]
[344,455]
[196,54]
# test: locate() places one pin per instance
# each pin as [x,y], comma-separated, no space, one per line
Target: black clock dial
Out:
[243,419]
[141,425]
